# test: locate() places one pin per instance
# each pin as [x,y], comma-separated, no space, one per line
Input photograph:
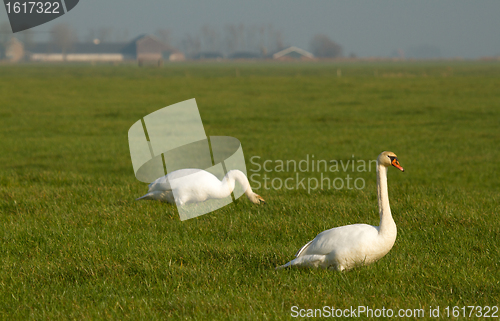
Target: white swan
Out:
[195,185]
[359,244]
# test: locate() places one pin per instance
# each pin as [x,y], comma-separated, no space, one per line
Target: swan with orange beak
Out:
[345,247]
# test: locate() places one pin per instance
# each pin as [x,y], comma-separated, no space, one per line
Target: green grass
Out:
[75,244]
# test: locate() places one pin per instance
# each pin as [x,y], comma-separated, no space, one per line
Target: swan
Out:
[345,247]
[193,185]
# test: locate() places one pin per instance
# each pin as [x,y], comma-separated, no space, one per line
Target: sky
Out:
[376,28]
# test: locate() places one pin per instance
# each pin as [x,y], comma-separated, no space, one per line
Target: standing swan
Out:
[348,246]
[195,185]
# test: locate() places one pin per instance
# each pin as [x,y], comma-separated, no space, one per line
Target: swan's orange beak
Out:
[396,164]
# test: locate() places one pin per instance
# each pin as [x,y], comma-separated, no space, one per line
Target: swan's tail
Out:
[148,196]
[284,266]
[306,261]
[293,263]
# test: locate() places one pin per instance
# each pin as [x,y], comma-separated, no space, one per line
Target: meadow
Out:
[74,243]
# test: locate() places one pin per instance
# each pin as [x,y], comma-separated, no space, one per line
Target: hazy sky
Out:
[456,28]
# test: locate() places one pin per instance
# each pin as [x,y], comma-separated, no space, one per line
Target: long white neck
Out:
[234,176]
[387,224]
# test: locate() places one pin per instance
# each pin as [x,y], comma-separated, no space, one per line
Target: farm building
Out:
[293,53]
[14,50]
[144,48]
[78,52]
[151,49]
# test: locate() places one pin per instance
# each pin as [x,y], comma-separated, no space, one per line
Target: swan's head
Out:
[389,159]
[256,199]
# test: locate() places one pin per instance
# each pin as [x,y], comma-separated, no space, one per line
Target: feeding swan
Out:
[195,185]
[347,246]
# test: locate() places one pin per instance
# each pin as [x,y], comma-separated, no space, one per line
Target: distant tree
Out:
[164,35]
[5,34]
[323,46]
[241,38]
[231,38]
[121,35]
[251,39]
[278,38]
[27,38]
[269,39]
[210,39]
[262,40]
[91,35]
[190,45]
[63,36]
[104,34]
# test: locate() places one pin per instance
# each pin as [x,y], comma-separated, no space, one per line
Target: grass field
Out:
[76,245]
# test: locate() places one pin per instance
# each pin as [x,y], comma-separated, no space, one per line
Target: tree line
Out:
[261,40]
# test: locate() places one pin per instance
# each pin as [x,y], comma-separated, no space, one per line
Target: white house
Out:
[293,53]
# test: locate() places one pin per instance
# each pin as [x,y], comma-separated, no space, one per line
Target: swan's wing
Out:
[340,238]
[303,248]
[184,172]
[163,183]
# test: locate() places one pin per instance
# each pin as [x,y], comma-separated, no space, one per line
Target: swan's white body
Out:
[195,185]
[348,246]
